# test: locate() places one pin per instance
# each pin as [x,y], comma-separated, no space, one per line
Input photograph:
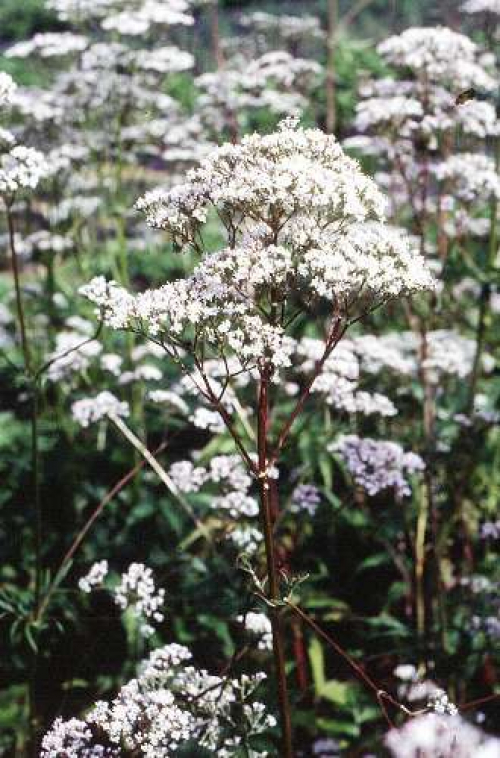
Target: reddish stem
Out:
[335,335]
[266,506]
[88,525]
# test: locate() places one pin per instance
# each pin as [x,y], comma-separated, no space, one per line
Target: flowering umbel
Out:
[303,224]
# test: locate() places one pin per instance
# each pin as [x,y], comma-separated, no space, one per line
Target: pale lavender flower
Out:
[376,465]
[490,530]
[305,498]
[440,736]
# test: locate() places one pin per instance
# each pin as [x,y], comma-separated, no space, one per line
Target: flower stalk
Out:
[272,571]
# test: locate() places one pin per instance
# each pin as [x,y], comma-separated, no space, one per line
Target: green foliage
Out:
[24,72]
[22,19]
[355,61]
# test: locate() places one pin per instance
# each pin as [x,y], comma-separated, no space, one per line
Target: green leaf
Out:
[74,684]
[379,559]
[338,727]
[326,469]
[389,623]
[317,661]
[30,633]
[335,691]
[367,714]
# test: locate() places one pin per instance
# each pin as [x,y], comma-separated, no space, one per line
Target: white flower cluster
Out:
[73,739]
[7,139]
[21,168]
[138,20]
[164,60]
[7,88]
[402,116]
[439,702]
[108,78]
[283,173]
[478,118]
[406,672]
[472,177]
[40,106]
[482,6]
[275,82]
[246,539]
[438,54]
[187,477]
[89,410]
[415,120]
[305,206]
[387,112]
[217,372]
[72,354]
[377,465]
[143,373]
[171,704]
[259,626]
[228,473]
[420,691]
[95,577]
[339,380]
[137,590]
[283,70]
[289,28]
[447,353]
[43,241]
[434,735]
[167,397]
[49,45]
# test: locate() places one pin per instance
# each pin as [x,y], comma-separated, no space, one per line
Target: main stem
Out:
[267,517]
[17,286]
[33,380]
[484,298]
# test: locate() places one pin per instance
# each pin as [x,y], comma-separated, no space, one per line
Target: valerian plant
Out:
[391,476]
[433,126]
[305,233]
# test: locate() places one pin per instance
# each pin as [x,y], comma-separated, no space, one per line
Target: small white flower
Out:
[22,168]
[137,590]
[89,410]
[440,703]
[258,625]
[7,88]
[95,577]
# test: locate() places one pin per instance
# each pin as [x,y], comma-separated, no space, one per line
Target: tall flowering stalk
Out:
[304,232]
[429,127]
[21,170]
